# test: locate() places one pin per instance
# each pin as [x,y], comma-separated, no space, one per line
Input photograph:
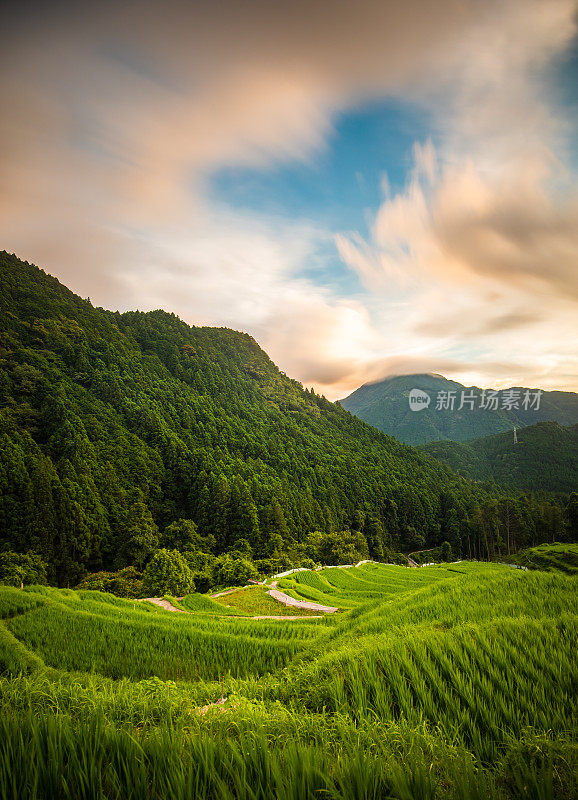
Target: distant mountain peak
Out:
[386,405]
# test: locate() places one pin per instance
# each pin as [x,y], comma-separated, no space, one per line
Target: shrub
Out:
[271,566]
[17,568]
[168,573]
[446,552]
[203,581]
[337,547]
[229,571]
[126,582]
[307,563]
[183,535]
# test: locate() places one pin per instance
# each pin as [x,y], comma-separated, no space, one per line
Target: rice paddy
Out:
[256,601]
[450,681]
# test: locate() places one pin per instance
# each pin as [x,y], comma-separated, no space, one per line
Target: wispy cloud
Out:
[115,118]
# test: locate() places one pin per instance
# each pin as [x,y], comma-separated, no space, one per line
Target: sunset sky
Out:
[368,187]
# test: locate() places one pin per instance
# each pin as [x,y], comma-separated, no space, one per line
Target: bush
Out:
[126,582]
[338,547]
[307,563]
[446,552]
[183,535]
[203,581]
[271,566]
[391,557]
[229,571]
[241,549]
[17,568]
[168,573]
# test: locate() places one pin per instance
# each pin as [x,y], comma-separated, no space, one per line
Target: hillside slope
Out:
[114,425]
[544,458]
[452,682]
[385,405]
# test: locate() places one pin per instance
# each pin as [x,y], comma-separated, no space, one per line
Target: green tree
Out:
[414,540]
[275,522]
[243,517]
[168,573]
[242,549]
[17,568]
[183,535]
[126,582]
[203,581]
[337,547]
[141,537]
[375,535]
[229,571]
[572,516]
[446,552]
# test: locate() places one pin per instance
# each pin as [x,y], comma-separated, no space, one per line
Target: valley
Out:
[179,616]
[289,400]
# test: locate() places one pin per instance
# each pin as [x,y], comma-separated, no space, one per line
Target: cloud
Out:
[154,97]
[114,117]
[238,272]
[512,227]
[485,264]
[482,246]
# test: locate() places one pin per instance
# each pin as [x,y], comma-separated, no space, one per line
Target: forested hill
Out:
[385,405]
[545,458]
[112,426]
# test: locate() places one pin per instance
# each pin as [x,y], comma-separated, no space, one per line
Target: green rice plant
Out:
[13,601]
[437,676]
[49,756]
[302,591]
[14,657]
[256,601]
[201,604]
[120,649]
[438,682]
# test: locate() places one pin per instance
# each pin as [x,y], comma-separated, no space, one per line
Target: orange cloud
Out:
[114,116]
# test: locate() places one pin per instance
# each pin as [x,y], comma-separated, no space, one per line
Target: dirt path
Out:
[310,616]
[290,601]
[158,601]
[239,589]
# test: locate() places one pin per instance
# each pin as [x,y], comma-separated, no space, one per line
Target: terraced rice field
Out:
[351,587]
[454,681]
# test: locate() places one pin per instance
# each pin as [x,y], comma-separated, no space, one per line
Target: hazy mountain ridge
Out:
[385,405]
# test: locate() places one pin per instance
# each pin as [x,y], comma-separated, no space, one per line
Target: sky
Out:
[368,188]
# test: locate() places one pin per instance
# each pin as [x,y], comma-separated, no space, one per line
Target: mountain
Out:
[113,426]
[386,406]
[545,457]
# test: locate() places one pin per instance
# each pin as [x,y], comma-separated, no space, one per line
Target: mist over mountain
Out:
[386,406]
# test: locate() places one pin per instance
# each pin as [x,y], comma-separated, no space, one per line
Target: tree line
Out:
[115,427]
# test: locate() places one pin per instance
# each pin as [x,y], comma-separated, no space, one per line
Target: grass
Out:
[454,681]
[255,601]
[201,604]
[552,557]
[171,646]
[350,588]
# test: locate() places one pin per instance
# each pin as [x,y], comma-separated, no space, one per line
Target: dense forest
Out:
[385,405]
[544,457]
[121,434]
